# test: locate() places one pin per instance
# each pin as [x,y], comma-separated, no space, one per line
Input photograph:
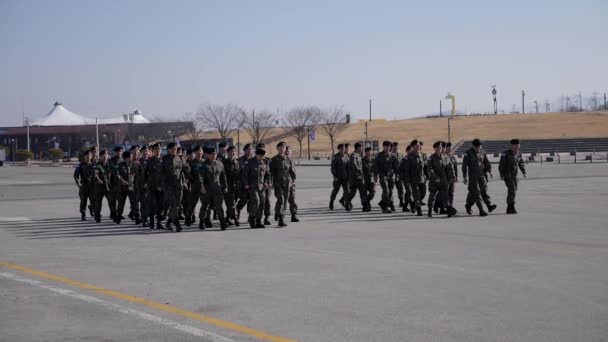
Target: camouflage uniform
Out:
[357,182]
[386,165]
[141,190]
[214,182]
[475,164]
[282,174]
[83,175]
[244,193]
[232,168]
[510,162]
[414,174]
[102,187]
[339,170]
[438,181]
[125,179]
[256,177]
[154,184]
[114,185]
[173,168]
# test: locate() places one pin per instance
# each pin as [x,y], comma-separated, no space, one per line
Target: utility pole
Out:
[449,128]
[27,123]
[594,99]
[580,101]
[547,106]
[567,103]
[605,106]
[370,109]
[365,144]
[536,103]
[440,109]
[308,141]
[562,109]
[494,97]
[253,125]
[523,96]
[97,133]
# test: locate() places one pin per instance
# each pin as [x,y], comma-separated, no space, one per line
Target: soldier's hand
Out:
[491,175]
[525,176]
[465,181]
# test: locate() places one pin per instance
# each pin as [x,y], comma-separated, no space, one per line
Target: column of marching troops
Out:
[415,172]
[168,188]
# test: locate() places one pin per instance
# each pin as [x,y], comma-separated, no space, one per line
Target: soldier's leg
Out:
[511,189]
[243,201]
[229,201]
[483,190]
[267,206]
[252,206]
[399,186]
[83,195]
[334,192]
[451,188]
[391,186]
[371,192]
[97,205]
[133,205]
[362,194]
[293,206]
[384,202]
[260,211]
[279,208]
[433,188]
[218,201]
[475,192]
[120,206]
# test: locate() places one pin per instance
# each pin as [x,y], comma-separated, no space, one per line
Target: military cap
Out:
[476,142]
[386,143]
[179,148]
[85,152]
[222,144]
[126,154]
[340,145]
[210,150]
[514,141]
[437,144]
[421,143]
[93,148]
[133,147]
[281,143]
[143,147]
[171,145]
[189,151]
[117,148]
[368,149]
[205,149]
[346,145]
[395,143]
[230,148]
[408,147]
[260,145]
[442,143]
[196,148]
[260,151]
[156,145]
[102,152]
[414,142]
[449,144]
[247,146]
[357,145]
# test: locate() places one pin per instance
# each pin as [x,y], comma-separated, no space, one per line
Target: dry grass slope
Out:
[527,126]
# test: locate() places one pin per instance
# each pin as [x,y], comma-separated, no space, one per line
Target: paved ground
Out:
[539,276]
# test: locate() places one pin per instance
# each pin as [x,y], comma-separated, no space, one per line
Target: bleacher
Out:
[533,146]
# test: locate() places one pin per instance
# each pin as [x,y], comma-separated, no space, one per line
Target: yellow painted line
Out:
[151,304]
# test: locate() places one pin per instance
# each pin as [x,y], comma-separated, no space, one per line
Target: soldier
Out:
[244,194]
[282,173]
[386,164]
[141,191]
[114,185]
[370,176]
[84,177]
[510,161]
[214,186]
[474,164]
[414,174]
[357,180]
[154,184]
[134,150]
[438,180]
[222,152]
[453,164]
[407,196]
[398,181]
[173,168]
[339,170]
[232,168]
[126,178]
[196,182]
[94,159]
[267,196]
[293,206]
[256,179]
[102,183]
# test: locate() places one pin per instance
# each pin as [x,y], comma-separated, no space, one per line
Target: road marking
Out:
[143,315]
[14,219]
[151,304]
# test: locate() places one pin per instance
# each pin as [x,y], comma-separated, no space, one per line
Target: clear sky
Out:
[167,57]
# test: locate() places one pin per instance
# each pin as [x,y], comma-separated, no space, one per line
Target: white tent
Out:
[135,117]
[60,116]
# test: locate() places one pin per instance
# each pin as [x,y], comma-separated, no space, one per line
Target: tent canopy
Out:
[60,116]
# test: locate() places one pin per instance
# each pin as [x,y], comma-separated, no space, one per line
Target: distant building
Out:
[71,132]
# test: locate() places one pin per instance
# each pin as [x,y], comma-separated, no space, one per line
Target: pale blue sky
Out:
[167,57]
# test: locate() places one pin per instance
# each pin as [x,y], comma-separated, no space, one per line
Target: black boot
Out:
[491,207]
[187,221]
[267,221]
[137,220]
[282,222]
[436,208]
[224,224]
[331,205]
[276,217]
[178,227]
[151,223]
[118,219]
[391,206]
[97,218]
[208,223]
[511,209]
[159,225]
[251,222]
[451,211]
[294,218]
[343,203]
[430,212]
[482,213]
[201,225]
[419,211]
[145,223]
[401,203]
[259,224]
[91,211]
[236,222]
[468,209]
[405,208]
[83,216]
[169,224]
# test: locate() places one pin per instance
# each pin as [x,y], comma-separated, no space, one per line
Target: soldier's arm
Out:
[245,177]
[96,175]
[78,176]
[465,162]
[333,166]
[292,171]
[522,166]
[502,165]
[223,181]
[455,167]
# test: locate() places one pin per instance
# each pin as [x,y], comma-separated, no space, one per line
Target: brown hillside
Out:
[488,127]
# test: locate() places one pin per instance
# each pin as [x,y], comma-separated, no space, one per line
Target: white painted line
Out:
[112,306]
[14,219]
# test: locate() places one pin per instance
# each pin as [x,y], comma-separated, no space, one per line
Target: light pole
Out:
[523,106]
[494,97]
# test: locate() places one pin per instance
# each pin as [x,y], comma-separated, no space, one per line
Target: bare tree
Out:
[221,118]
[299,120]
[257,124]
[332,124]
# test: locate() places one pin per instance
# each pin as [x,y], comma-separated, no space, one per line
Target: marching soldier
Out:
[339,170]
[282,173]
[398,181]
[370,176]
[256,179]
[92,164]
[102,183]
[407,196]
[414,174]
[232,168]
[438,180]
[214,186]
[386,164]
[357,180]
[474,165]
[510,161]
[244,193]
[222,153]
[141,191]
[453,164]
[196,182]
[293,206]
[83,176]
[154,184]
[126,178]
[114,185]
[267,196]
[173,168]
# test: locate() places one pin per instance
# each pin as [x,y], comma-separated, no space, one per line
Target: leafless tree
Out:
[220,118]
[333,123]
[257,124]
[299,120]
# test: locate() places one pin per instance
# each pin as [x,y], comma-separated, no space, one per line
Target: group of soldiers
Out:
[414,172]
[169,187]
